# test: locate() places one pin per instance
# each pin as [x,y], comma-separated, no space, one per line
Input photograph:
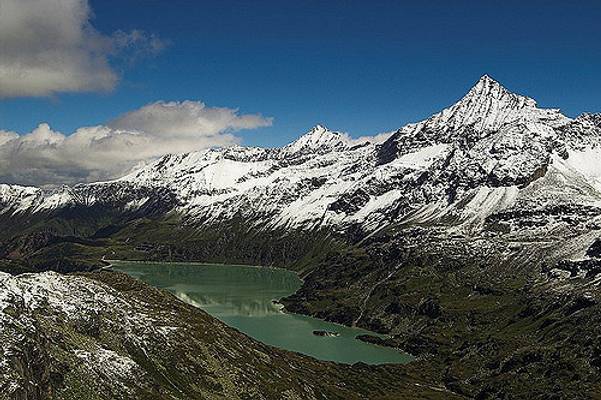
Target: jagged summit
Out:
[487,78]
[318,128]
[317,133]
[490,90]
[591,118]
[318,138]
[489,105]
[489,97]
[486,108]
[488,86]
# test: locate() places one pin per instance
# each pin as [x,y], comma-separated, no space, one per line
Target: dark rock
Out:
[429,307]
[326,333]
[595,249]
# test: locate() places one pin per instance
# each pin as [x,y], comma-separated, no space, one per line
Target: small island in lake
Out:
[326,333]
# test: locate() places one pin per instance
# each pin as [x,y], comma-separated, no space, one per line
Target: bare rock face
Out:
[595,249]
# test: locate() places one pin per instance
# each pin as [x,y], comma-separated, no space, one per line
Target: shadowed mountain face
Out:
[469,237]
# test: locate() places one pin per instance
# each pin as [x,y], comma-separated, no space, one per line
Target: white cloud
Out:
[137,44]
[186,118]
[50,46]
[46,157]
[377,138]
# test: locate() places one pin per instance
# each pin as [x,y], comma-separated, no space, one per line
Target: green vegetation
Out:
[483,325]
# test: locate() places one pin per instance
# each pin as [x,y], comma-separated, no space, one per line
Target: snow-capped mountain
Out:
[492,152]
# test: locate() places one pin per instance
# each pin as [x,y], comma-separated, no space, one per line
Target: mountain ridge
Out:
[490,138]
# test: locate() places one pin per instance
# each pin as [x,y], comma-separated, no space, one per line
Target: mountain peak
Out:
[318,138]
[487,80]
[318,128]
[489,88]
[489,105]
[318,133]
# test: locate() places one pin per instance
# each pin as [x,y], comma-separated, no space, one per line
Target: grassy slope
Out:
[488,326]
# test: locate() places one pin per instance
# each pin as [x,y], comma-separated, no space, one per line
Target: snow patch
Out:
[588,163]
[422,158]
[488,201]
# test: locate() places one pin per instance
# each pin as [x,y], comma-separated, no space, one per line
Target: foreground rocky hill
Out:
[471,237]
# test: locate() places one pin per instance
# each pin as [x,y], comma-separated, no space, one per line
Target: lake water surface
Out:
[242,297]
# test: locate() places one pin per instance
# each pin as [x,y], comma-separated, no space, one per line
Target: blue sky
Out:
[357,66]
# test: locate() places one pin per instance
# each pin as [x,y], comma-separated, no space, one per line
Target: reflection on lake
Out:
[243,298]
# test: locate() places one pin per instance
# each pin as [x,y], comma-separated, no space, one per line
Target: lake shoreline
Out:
[359,336]
[284,308]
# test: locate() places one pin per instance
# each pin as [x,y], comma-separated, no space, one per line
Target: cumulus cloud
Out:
[186,118]
[45,157]
[50,46]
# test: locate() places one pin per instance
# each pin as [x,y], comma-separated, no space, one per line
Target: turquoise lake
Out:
[242,297]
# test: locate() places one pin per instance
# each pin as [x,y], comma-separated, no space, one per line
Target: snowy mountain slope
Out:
[483,155]
[487,107]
